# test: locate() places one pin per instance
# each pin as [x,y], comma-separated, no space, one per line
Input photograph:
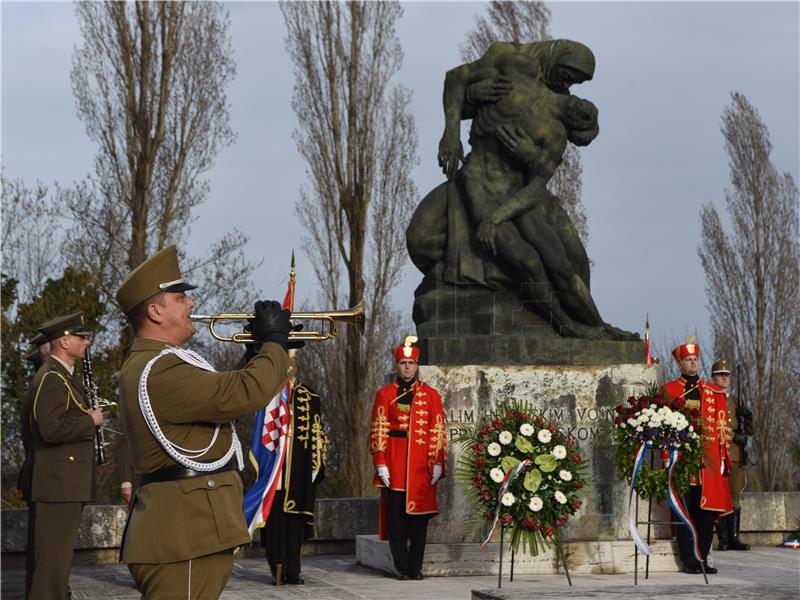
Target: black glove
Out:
[740,439]
[250,350]
[743,414]
[271,323]
[296,344]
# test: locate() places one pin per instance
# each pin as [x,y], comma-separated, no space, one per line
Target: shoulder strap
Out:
[70,394]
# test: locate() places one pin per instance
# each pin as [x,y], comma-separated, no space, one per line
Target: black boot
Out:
[733,530]
[723,533]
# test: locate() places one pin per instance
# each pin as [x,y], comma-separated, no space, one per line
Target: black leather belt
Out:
[398,433]
[177,472]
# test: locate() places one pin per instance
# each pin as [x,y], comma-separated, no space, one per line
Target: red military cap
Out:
[407,349]
[687,349]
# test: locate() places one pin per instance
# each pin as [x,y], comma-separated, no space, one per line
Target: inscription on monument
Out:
[591,420]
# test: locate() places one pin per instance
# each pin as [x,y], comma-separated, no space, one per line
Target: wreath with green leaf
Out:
[546,493]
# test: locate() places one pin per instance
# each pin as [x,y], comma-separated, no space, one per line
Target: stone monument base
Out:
[578,399]
[469,324]
[583,558]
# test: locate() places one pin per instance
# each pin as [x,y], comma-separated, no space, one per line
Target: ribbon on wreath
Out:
[677,506]
[672,496]
[512,474]
[637,465]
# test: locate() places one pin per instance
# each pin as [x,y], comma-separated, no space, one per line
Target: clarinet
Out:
[94,402]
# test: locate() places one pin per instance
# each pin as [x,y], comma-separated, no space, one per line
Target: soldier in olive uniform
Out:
[38,351]
[124,469]
[186,516]
[740,420]
[62,428]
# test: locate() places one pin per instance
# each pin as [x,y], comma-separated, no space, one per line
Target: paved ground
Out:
[762,573]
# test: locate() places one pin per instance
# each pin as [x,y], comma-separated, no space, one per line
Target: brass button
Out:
[71,458]
[211,483]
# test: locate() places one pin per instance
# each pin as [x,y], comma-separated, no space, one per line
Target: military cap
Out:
[407,349]
[159,273]
[60,326]
[690,348]
[36,347]
[721,367]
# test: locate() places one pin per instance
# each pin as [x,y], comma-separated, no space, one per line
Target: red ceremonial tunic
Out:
[409,459]
[716,494]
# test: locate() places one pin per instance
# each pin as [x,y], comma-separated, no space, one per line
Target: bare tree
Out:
[30,225]
[514,21]
[524,21]
[753,288]
[359,142]
[150,83]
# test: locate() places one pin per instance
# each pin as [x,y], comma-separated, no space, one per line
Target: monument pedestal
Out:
[583,558]
[580,400]
[468,324]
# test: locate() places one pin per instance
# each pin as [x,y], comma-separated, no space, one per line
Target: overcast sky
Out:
[665,72]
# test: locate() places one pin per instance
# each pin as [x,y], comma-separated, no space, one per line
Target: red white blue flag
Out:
[268,445]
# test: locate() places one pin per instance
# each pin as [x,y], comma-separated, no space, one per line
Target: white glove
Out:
[437,473]
[383,473]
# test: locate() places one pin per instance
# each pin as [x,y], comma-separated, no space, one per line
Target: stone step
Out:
[595,557]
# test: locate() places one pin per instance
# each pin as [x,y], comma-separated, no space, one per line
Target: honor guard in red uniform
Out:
[408,443]
[709,495]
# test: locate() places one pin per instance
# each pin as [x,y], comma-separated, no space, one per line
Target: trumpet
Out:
[326,331]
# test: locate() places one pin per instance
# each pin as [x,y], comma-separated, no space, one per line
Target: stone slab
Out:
[101,528]
[472,559]
[467,324]
[580,399]
[527,350]
[345,518]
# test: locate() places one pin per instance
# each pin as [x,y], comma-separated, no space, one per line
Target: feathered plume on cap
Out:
[407,349]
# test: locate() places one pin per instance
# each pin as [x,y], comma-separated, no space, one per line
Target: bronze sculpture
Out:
[493,226]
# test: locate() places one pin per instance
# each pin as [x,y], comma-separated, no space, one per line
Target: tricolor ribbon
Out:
[504,485]
[677,505]
[672,496]
[637,465]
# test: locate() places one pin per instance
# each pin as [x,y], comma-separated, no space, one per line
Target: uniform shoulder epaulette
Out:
[712,386]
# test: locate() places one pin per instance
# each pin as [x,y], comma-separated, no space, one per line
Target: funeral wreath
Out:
[666,426]
[520,473]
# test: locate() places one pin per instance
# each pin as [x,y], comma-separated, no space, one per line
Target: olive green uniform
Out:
[738,473]
[181,534]
[62,478]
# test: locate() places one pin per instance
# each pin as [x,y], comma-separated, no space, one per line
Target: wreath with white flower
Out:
[543,471]
[663,424]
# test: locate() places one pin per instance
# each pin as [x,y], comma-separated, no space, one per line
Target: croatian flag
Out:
[268,445]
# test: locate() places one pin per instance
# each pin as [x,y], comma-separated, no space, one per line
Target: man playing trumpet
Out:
[186,516]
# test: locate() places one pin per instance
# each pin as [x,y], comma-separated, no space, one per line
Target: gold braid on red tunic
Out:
[438,441]
[379,431]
